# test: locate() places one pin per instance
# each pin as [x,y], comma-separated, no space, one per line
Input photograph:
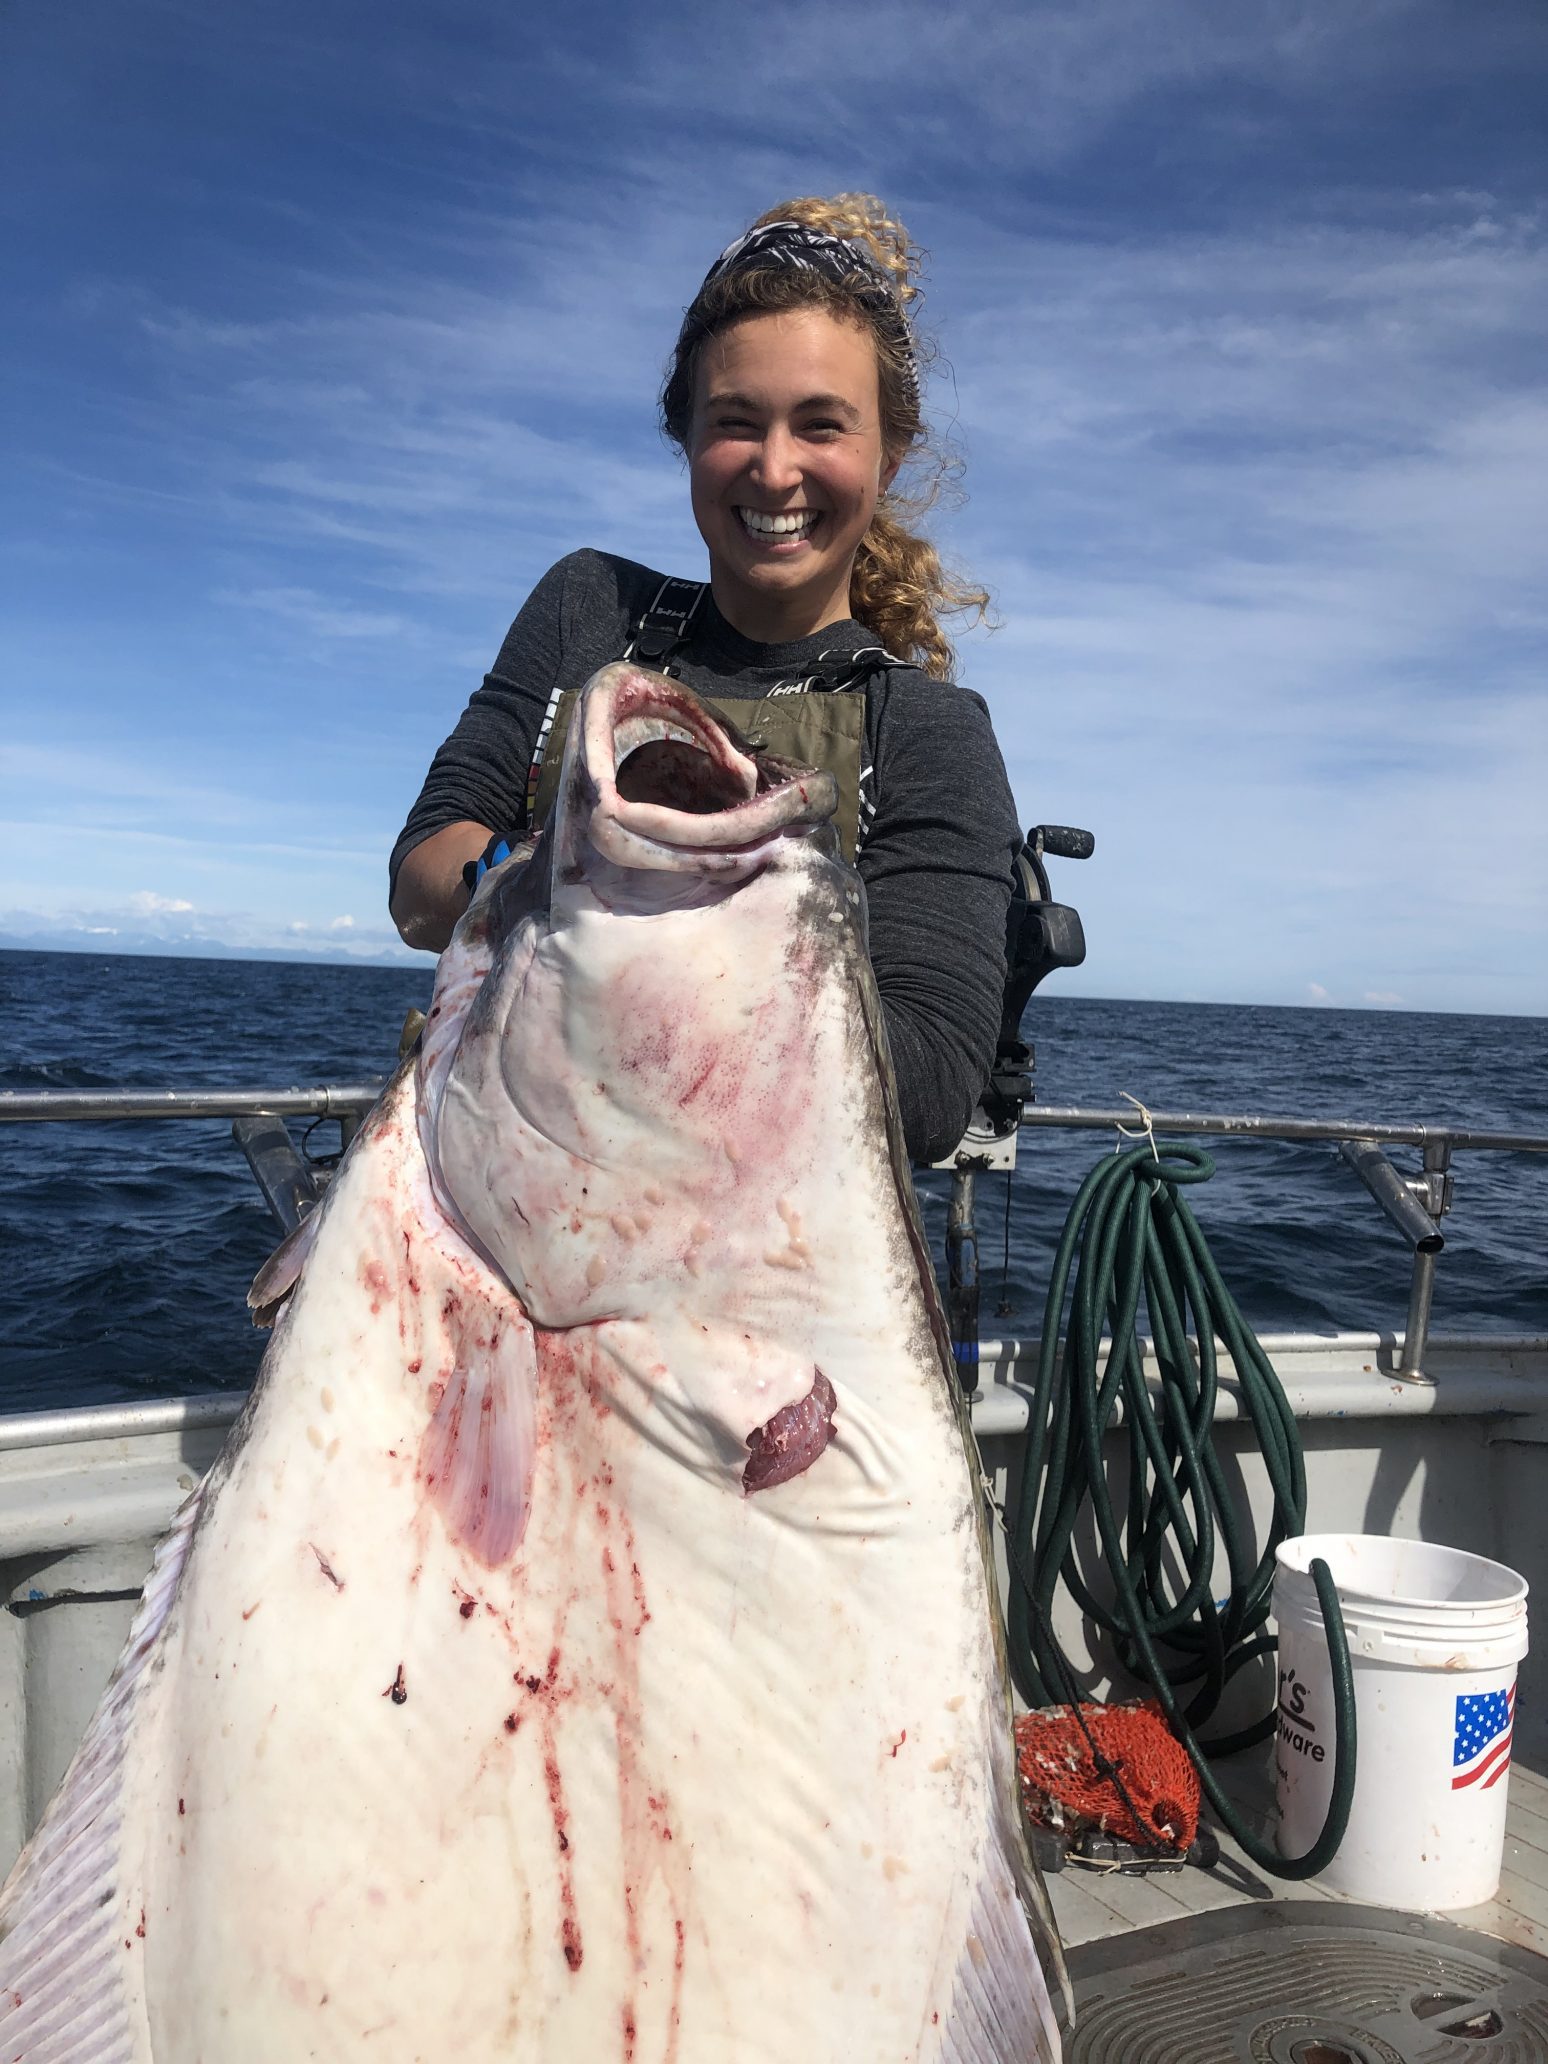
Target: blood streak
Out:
[569,1930]
[583,1443]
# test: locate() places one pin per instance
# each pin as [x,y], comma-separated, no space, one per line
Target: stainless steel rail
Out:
[354,1099]
[1288,1128]
[290,1188]
[1395,1196]
[1415,1204]
[119,1422]
[33,1105]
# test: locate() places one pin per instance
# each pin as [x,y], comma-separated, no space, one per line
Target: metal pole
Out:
[1393,1194]
[1251,1125]
[962,1274]
[1416,1328]
[290,1188]
[67,1104]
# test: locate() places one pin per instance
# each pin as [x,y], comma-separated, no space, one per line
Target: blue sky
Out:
[329,326]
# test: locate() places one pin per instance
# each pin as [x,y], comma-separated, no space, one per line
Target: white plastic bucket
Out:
[1434,1638]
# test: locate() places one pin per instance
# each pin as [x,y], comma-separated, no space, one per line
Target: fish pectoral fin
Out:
[475,1458]
[1002,2004]
[282,1271]
[62,1988]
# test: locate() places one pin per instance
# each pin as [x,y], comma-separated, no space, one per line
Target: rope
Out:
[1135,1233]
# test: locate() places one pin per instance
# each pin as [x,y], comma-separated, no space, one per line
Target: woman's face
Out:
[785,465]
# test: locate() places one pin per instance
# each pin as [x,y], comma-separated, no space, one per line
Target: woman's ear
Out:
[889,473]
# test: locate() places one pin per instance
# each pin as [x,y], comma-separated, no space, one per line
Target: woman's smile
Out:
[781,531]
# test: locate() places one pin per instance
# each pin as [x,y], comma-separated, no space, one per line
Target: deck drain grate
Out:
[1300,1983]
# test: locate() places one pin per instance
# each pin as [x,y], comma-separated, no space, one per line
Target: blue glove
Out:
[498,849]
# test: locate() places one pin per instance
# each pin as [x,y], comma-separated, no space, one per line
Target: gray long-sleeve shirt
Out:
[936,860]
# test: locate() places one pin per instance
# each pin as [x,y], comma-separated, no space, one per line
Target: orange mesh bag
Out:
[1064,1788]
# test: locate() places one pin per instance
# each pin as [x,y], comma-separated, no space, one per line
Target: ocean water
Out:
[129,1247]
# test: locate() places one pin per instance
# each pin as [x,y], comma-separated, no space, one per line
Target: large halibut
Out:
[585,1647]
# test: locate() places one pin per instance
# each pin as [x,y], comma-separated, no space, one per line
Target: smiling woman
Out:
[794,393]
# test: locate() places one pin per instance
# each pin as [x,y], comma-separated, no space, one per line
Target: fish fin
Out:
[282,1271]
[62,1992]
[1001,2012]
[476,1455]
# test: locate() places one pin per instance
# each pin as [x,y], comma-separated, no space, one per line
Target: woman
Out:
[794,394]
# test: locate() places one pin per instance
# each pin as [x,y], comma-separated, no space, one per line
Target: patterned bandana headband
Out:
[791,246]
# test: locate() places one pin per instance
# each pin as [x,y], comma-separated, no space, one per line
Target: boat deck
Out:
[1092,1904]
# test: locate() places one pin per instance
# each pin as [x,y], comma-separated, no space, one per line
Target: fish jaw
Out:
[654,782]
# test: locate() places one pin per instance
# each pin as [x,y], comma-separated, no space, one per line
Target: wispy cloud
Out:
[316,616]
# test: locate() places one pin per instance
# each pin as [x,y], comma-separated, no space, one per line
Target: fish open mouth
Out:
[658,760]
[672,784]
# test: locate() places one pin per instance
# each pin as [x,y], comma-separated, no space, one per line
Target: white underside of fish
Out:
[476,1710]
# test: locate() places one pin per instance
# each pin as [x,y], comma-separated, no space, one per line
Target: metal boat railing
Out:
[1415,1204]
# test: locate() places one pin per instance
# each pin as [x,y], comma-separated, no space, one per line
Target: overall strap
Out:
[837,671]
[658,631]
[666,624]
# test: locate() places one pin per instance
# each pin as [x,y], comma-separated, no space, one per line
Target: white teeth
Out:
[796,525]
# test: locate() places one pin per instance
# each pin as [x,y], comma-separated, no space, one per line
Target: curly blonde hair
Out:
[899,589]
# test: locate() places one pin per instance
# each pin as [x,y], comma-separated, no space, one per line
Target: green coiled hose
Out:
[1134,1233]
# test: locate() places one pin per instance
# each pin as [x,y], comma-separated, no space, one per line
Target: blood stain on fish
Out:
[397,1691]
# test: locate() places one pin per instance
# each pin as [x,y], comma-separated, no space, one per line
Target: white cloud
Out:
[146,903]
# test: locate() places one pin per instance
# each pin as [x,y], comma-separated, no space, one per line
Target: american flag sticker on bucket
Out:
[1480,1749]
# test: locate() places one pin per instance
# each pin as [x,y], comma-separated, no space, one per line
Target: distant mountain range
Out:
[189,948]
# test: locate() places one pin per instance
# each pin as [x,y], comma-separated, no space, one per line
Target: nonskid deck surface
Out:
[1208,1967]
[1308,1982]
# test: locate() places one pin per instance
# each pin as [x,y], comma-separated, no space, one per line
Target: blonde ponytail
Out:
[899,589]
